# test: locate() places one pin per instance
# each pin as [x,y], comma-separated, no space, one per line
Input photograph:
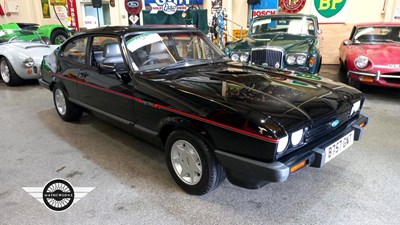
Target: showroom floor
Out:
[133,186]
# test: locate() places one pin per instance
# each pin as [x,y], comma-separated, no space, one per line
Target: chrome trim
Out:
[377,76]
[362,73]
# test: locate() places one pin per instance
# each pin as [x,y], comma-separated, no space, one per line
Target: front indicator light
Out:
[366,79]
[299,166]
[363,124]
[29,70]
[312,60]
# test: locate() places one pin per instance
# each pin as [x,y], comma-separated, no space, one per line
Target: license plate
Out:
[339,146]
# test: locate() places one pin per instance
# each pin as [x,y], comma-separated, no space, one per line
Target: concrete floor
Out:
[133,186]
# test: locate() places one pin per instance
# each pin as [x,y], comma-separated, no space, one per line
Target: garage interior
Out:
[129,179]
[132,183]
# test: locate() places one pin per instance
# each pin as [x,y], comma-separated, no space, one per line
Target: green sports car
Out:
[50,33]
[286,41]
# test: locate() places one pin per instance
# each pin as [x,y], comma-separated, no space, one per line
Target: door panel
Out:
[104,89]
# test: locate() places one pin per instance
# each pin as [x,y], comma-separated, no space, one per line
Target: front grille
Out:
[325,127]
[271,57]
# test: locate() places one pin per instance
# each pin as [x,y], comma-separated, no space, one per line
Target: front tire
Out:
[8,74]
[66,110]
[192,163]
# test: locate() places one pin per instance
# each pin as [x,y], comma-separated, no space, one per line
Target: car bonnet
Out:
[284,96]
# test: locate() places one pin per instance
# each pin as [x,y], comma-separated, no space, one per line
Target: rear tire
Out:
[192,163]
[8,74]
[66,110]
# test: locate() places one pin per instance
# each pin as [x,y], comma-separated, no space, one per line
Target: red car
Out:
[372,55]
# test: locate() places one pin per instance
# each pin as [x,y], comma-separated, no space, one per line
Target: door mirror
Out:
[346,42]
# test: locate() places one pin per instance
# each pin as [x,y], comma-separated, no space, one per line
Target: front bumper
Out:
[377,79]
[253,174]
[28,73]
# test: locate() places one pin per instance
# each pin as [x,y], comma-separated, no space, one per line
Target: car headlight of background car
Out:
[296,59]
[361,62]
[28,62]
[240,56]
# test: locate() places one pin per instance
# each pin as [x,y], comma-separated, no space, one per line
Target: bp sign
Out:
[329,8]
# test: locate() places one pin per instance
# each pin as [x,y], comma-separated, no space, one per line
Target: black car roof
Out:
[121,30]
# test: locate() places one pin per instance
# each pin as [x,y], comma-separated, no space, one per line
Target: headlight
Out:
[240,57]
[291,59]
[28,62]
[282,144]
[235,57]
[296,137]
[296,58]
[301,59]
[361,62]
[355,108]
[244,57]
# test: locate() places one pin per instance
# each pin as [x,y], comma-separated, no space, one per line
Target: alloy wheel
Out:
[60,102]
[186,162]
[59,39]
[5,71]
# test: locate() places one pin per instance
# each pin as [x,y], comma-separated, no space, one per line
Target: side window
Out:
[76,50]
[101,47]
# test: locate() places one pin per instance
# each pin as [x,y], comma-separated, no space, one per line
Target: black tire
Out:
[58,36]
[8,74]
[319,65]
[66,110]
[212,173]
[342,66]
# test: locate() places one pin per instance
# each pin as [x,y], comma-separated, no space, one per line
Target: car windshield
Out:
[20,36]
[377,34]
[157,51]
[289,25]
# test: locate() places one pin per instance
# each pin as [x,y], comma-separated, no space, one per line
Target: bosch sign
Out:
[264,12]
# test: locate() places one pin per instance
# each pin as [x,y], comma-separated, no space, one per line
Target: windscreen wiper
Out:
[174,65]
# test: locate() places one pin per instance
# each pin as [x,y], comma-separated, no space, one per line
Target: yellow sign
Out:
[58,2]
[236,34]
